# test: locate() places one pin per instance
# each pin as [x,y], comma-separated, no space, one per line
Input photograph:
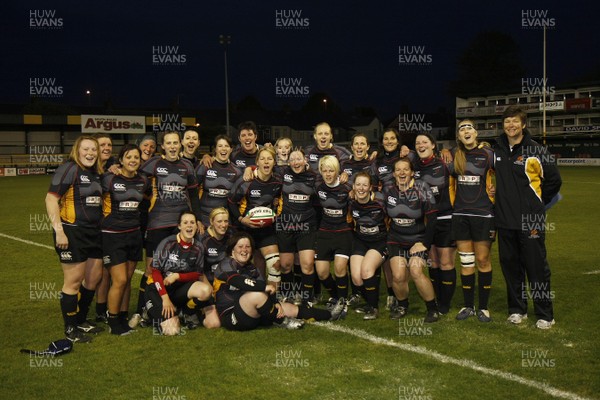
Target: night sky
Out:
[347,49]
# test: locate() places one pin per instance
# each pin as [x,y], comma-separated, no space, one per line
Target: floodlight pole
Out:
[226,40]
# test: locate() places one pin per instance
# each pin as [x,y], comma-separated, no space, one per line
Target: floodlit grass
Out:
[314,362]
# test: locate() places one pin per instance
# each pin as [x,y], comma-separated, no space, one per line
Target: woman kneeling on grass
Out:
[177,281]
[245,301]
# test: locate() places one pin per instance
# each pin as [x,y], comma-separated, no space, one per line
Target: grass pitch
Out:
[380,359]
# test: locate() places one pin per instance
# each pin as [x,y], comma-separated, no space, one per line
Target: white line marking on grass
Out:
[18,239]
[26,241]
[596,272]
[461,362]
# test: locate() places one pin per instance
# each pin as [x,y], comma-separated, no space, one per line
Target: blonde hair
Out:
[217,211]
[329,162]
[270,150]
[281,139]
[74,154]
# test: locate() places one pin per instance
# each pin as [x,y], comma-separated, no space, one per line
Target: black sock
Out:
[68,307]
[113,321]
[468,287]
[485,286]
[286,287]
[313,313]
[403,303]
[431,305]
[435,278]
[329,284]
[307,286]
[316,284]
[371,290]
[447,287]
[101,309]
[269,312]
[123,316]
[390,291]
[342,286]
[297,275]
[141,294]
[85,300]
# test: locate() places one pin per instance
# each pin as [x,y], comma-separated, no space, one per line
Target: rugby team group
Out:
[341,218]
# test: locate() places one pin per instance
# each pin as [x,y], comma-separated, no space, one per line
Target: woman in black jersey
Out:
[74,206]
[360,160]
[334,238]
[410,205]
[437,174]
[245,301]
[177,282]
[369,250]
[121,236]
[215,182]
[473,225]
[296,226]
[214,241]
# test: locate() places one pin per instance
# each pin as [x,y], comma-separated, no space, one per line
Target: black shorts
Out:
[263,237]
[477,229]
[398,250]
[332,244]
[121,247]
[84,243]
[362,246]
[443,234]
[155,236]
[291,242]
[235,319]
[178,293]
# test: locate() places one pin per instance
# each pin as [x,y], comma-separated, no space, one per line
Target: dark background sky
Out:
[349,50]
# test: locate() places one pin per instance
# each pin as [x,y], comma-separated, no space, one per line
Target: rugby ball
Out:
[263,215]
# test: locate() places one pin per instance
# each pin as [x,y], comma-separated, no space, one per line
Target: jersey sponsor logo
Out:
[469,179]
[249,282]
[128,205]
[162,171]
[255,193]
[106,260]
[84,178]
[288,178]
[313,157]
[417,174]
[404,221]
[383,169]
[119,187]
[174,257]
[233,319]
[299,197]
[211,173]
[355,214]
[93,201]
[171,188]
[213,251]
[348,171]
[498,158]
[240,163]
[218,192]
[391,201]
[332,212]
[66,256]
[435,190]
[322,195]
[368,231]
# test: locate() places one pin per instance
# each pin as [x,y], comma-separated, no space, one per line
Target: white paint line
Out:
[461,362]
[596,272]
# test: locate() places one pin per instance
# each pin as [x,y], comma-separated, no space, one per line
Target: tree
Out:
[491,63]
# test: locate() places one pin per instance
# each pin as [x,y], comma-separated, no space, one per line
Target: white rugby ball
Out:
[263,215]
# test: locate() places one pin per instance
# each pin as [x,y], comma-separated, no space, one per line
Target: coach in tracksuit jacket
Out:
[527,179]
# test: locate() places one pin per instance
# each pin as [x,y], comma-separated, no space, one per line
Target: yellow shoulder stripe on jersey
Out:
[243,206]
[452,189]
[154,195]
[489,183]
